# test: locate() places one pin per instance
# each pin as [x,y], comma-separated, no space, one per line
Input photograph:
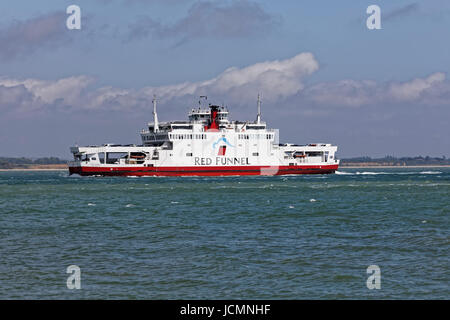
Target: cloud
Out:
[277,79]
[417,88]
[281,82]
[400,12]
[68,89]
[209,19]
[350,93]
[431,90]
[25,37]
[15,97]
[128,2]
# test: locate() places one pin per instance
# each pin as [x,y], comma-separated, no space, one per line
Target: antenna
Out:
[258,116]
[155,115]
[200,100]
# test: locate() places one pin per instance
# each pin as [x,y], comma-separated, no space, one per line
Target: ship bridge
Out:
[202,115]
[214,118]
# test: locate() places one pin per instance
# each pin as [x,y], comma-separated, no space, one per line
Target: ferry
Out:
[207,144]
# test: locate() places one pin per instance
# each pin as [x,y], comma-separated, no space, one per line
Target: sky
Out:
[323,75]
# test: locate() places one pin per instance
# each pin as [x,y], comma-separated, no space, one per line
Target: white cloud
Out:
[349,93]
[431,90]
[15,97]
[25,37]
[224,19]
[413,90]
[68,89]
[280,81]
[276,79]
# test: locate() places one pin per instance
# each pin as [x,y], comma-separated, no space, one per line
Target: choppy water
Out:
[290,237]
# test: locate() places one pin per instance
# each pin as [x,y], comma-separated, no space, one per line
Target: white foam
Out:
[129,205]
[312,200]
[372,173]
[382,172]
[91,204]
[343,173]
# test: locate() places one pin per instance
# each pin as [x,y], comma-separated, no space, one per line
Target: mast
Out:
[155,115]
[258,116]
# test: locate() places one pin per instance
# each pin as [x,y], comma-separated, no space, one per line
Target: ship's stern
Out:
[74,167]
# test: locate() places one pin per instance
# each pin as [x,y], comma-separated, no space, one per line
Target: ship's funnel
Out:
[213,123]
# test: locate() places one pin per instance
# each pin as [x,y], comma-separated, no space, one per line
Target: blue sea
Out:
[284,237]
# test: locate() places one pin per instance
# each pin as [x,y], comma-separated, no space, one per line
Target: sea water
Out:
[284,237]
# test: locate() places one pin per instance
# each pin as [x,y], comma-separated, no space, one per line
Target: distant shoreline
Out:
[387,167]
[39,167]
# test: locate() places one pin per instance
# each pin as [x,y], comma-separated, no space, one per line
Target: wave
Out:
[343,173]
[382,172]
[373,173]
[363,173]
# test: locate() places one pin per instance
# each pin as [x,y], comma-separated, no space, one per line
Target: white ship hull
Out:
[206,145]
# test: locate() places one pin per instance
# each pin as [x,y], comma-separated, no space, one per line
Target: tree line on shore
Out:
[394,161]
[22,162]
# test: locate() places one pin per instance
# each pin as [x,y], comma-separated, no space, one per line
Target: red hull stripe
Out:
[202,171]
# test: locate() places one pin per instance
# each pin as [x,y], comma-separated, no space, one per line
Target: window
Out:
[314,153]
